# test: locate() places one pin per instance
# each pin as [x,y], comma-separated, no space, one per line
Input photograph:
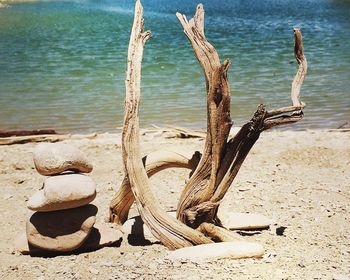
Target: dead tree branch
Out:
[172,233]
[153,163]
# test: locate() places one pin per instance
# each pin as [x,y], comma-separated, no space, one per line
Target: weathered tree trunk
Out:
[221,159]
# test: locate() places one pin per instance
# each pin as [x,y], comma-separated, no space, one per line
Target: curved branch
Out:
[153,163]
[302,70]
[274,117]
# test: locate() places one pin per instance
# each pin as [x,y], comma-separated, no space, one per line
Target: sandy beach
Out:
[299,179]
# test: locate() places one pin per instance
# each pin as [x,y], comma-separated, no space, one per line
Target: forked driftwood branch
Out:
[215,170]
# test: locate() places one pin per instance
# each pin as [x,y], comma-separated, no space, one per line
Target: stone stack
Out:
[64,218]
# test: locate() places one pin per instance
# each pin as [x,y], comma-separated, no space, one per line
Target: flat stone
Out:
[61,192]
[55,158]
[244,221]
[101,235]
[136,226]
[63,230]
[216,251]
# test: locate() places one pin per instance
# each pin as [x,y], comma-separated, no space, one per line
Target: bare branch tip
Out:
[146,35]
[138,4]
[200,7]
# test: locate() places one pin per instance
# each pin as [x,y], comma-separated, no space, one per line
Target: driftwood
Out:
[174,132]
[153,163]
[222,157]
[43,138]
[340,130]
[9,133]
[171,232]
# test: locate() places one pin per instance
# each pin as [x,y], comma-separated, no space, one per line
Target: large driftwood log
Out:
[221,159]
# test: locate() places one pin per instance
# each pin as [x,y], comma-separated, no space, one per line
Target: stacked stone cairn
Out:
[64,218]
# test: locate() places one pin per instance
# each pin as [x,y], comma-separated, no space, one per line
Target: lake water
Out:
[62,64]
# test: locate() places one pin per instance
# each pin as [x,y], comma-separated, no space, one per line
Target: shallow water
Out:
[62,64]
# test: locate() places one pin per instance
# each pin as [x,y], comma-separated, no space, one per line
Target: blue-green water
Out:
[62,64]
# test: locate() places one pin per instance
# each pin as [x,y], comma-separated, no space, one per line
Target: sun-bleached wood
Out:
[154,163]
[171,232]
[222,157]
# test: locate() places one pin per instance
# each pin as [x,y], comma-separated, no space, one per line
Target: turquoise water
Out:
[62,64]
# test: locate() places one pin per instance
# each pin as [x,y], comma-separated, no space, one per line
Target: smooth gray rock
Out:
[61,192]
[61,231]
[55,158]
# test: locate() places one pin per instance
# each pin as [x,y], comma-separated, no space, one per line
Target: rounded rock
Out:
[61,231]
[56,158]
[63,192]
[101,235]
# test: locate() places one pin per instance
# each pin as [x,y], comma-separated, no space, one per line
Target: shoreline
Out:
[170,132]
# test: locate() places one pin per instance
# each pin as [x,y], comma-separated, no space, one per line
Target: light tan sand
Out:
[301,180]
